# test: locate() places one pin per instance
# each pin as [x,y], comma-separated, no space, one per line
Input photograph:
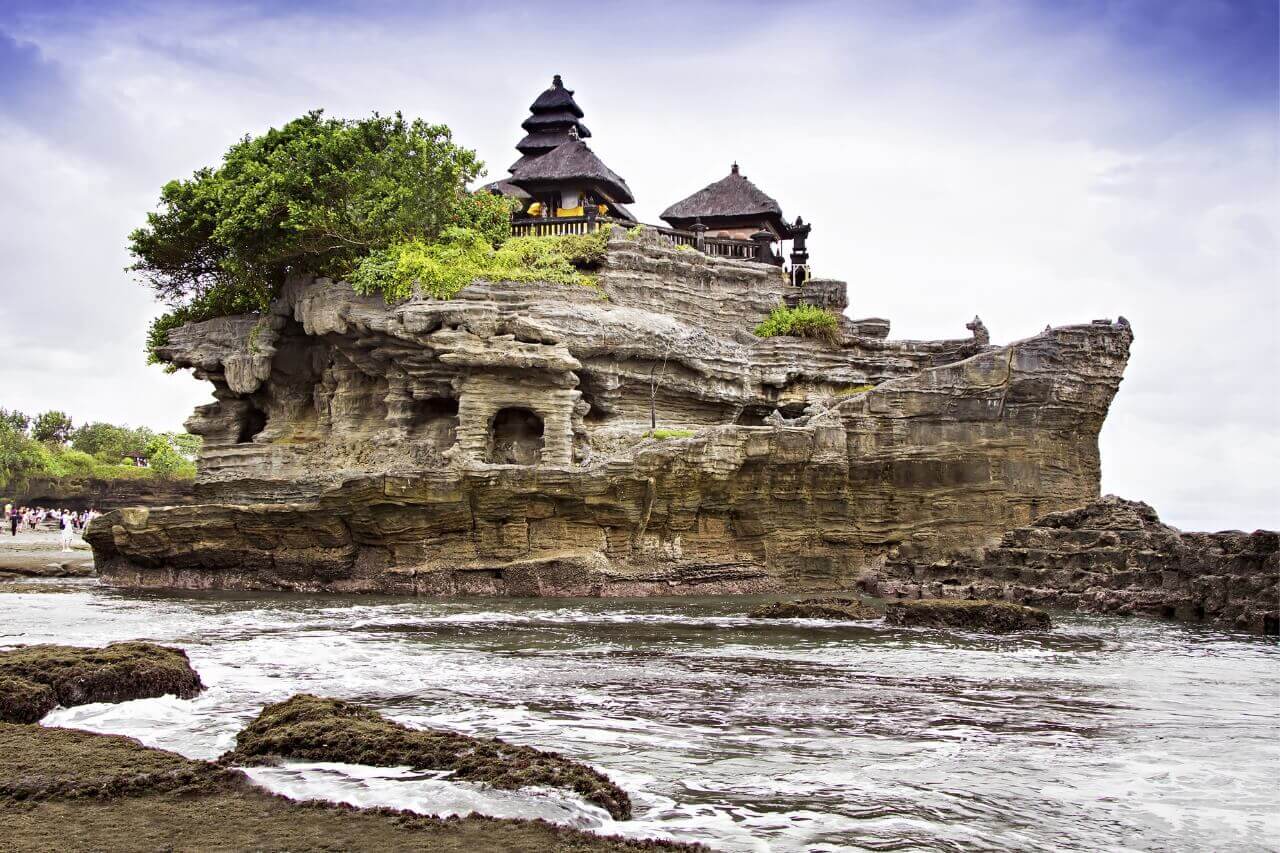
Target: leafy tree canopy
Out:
[53,427]
[313,197]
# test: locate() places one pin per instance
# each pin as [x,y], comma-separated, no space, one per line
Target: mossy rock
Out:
[78,676]
[39,761]
[23,701]
[985,616]
[318,729]
[816,608]
[66,789]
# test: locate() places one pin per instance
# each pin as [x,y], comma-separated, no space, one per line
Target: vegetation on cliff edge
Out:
[802,321]
[381,201]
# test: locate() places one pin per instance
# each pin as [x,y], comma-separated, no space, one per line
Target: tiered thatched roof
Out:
[554,116]
[572,163]
[729,202]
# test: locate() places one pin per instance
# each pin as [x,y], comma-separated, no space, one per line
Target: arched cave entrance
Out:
[515,437]
[435,421]
[252,423]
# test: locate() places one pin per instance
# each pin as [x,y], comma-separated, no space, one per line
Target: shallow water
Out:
[799,735]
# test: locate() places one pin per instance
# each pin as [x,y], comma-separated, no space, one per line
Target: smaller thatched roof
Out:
[730,200]
[505,187]
[556,98]
[572,162]
[540,143]
[560,120]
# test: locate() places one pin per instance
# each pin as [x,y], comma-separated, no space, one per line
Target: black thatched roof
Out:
[504,187]
[541,143]
[572,162]
[560,120]
[556,98]
[730,200]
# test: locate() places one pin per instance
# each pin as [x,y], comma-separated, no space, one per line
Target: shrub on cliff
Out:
[803,321]
[315,196]
[462,255]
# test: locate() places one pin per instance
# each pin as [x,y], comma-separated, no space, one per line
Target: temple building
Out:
[564,188]
[557,175]
[731,207]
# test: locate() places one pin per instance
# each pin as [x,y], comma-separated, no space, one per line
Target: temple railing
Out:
[717,247]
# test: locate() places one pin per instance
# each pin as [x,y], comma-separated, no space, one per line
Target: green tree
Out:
[53,427]
[15,420]
[21,457]
[313,197]
[109,442]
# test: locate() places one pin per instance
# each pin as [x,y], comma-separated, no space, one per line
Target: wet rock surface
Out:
[1112,556]
[987,617]
[496,443]
[817,608]
[66,789]
[318,729]
[73,675]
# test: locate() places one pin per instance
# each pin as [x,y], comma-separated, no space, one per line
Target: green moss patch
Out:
[816,608]
[23,701]
[664,434]
[802,321]
[317,729]
[985,616]
[78,676]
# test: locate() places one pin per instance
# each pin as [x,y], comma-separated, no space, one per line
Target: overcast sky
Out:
[1034,163]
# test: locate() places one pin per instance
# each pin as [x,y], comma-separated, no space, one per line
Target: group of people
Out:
[67,522]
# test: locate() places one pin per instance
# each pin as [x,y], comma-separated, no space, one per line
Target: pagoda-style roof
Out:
[542,142]
[569,164]
[732,200]
[556,98]
[560,120]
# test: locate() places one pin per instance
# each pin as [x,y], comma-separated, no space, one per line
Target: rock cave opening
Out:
[252,424]
[435,421]
[515,437]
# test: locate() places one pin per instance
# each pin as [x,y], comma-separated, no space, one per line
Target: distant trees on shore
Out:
[50,446]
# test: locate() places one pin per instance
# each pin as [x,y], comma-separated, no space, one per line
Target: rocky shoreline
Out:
[63,786]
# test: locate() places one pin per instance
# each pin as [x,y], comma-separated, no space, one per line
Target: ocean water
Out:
[1117,734]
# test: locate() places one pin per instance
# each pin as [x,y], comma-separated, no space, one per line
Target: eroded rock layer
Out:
[1112,556]
[499,442]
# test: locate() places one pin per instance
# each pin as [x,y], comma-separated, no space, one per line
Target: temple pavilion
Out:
[564,188]
[557,174]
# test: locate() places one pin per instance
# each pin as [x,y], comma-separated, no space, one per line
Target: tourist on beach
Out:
[13,524]
[68,531]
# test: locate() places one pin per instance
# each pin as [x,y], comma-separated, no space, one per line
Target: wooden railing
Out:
[717,247]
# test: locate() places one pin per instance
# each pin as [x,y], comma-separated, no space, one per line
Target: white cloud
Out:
[978,161]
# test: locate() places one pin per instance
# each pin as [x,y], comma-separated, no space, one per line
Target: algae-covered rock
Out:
[23,701]
[64,789]
[816,608]
[39,761]
[78,676]
[318,729]
[989,617]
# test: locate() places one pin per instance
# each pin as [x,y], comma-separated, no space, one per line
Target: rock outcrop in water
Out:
[62,789]
[1111,556]
[497,443]
[35,679]
[988,617]
[318,729]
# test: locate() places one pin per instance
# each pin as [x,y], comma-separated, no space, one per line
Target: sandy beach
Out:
[38,553]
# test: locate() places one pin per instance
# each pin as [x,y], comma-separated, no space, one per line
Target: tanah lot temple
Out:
[564,188]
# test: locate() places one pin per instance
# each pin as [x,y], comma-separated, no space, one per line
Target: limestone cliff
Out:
[497,442]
